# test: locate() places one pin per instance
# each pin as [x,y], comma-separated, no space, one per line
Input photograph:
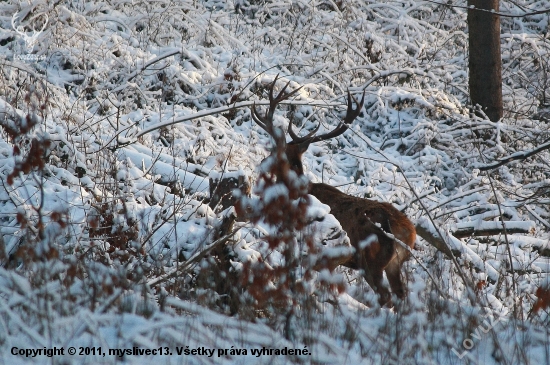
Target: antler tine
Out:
[297,139]
[266,122]
[271,88]
[343,126]
[351,114]
[340,129]
[281,96]
[262,122]
[273,101]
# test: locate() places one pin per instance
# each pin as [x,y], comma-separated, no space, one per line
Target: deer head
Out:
[296,148]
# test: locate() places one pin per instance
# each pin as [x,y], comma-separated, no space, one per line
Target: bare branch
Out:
[244,104]
[516,156]
[493,228]
[544,11]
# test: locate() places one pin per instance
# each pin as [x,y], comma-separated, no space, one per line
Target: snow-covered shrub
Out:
[144,99]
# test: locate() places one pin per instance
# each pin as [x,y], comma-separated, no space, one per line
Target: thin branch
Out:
[516,156]
[435,240]
[193,260]
[244,104]
[458,196]
[538,217]
[544,11]
[153,61]
[508,249]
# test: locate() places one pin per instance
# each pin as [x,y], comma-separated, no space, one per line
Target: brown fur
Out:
[361,218]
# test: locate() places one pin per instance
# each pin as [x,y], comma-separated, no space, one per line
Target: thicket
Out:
[108,144]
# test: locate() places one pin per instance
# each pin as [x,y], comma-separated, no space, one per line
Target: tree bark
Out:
[485,63]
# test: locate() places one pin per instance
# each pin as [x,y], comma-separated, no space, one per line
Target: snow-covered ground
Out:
[114,114]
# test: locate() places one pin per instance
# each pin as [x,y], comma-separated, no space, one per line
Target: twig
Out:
[545,11]
[509,250]
[153,61]
[436,241]
[192,260]
[538,217]
[458,196]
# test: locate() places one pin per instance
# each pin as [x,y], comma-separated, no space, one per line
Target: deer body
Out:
[370,225]
[359,218]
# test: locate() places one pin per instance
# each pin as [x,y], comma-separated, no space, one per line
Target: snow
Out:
[110,244]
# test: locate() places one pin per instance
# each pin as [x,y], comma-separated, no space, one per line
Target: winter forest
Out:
[154,210]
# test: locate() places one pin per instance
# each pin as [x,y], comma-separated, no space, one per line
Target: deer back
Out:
[361,217]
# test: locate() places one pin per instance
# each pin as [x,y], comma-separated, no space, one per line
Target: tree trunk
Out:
[485,64]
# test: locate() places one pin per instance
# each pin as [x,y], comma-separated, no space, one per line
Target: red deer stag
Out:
[370,225]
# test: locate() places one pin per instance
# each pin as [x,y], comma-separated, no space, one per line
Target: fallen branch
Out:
[478,229]
[470,229]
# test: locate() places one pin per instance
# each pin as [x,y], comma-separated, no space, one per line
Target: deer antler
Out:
[351,114]
[266,122]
